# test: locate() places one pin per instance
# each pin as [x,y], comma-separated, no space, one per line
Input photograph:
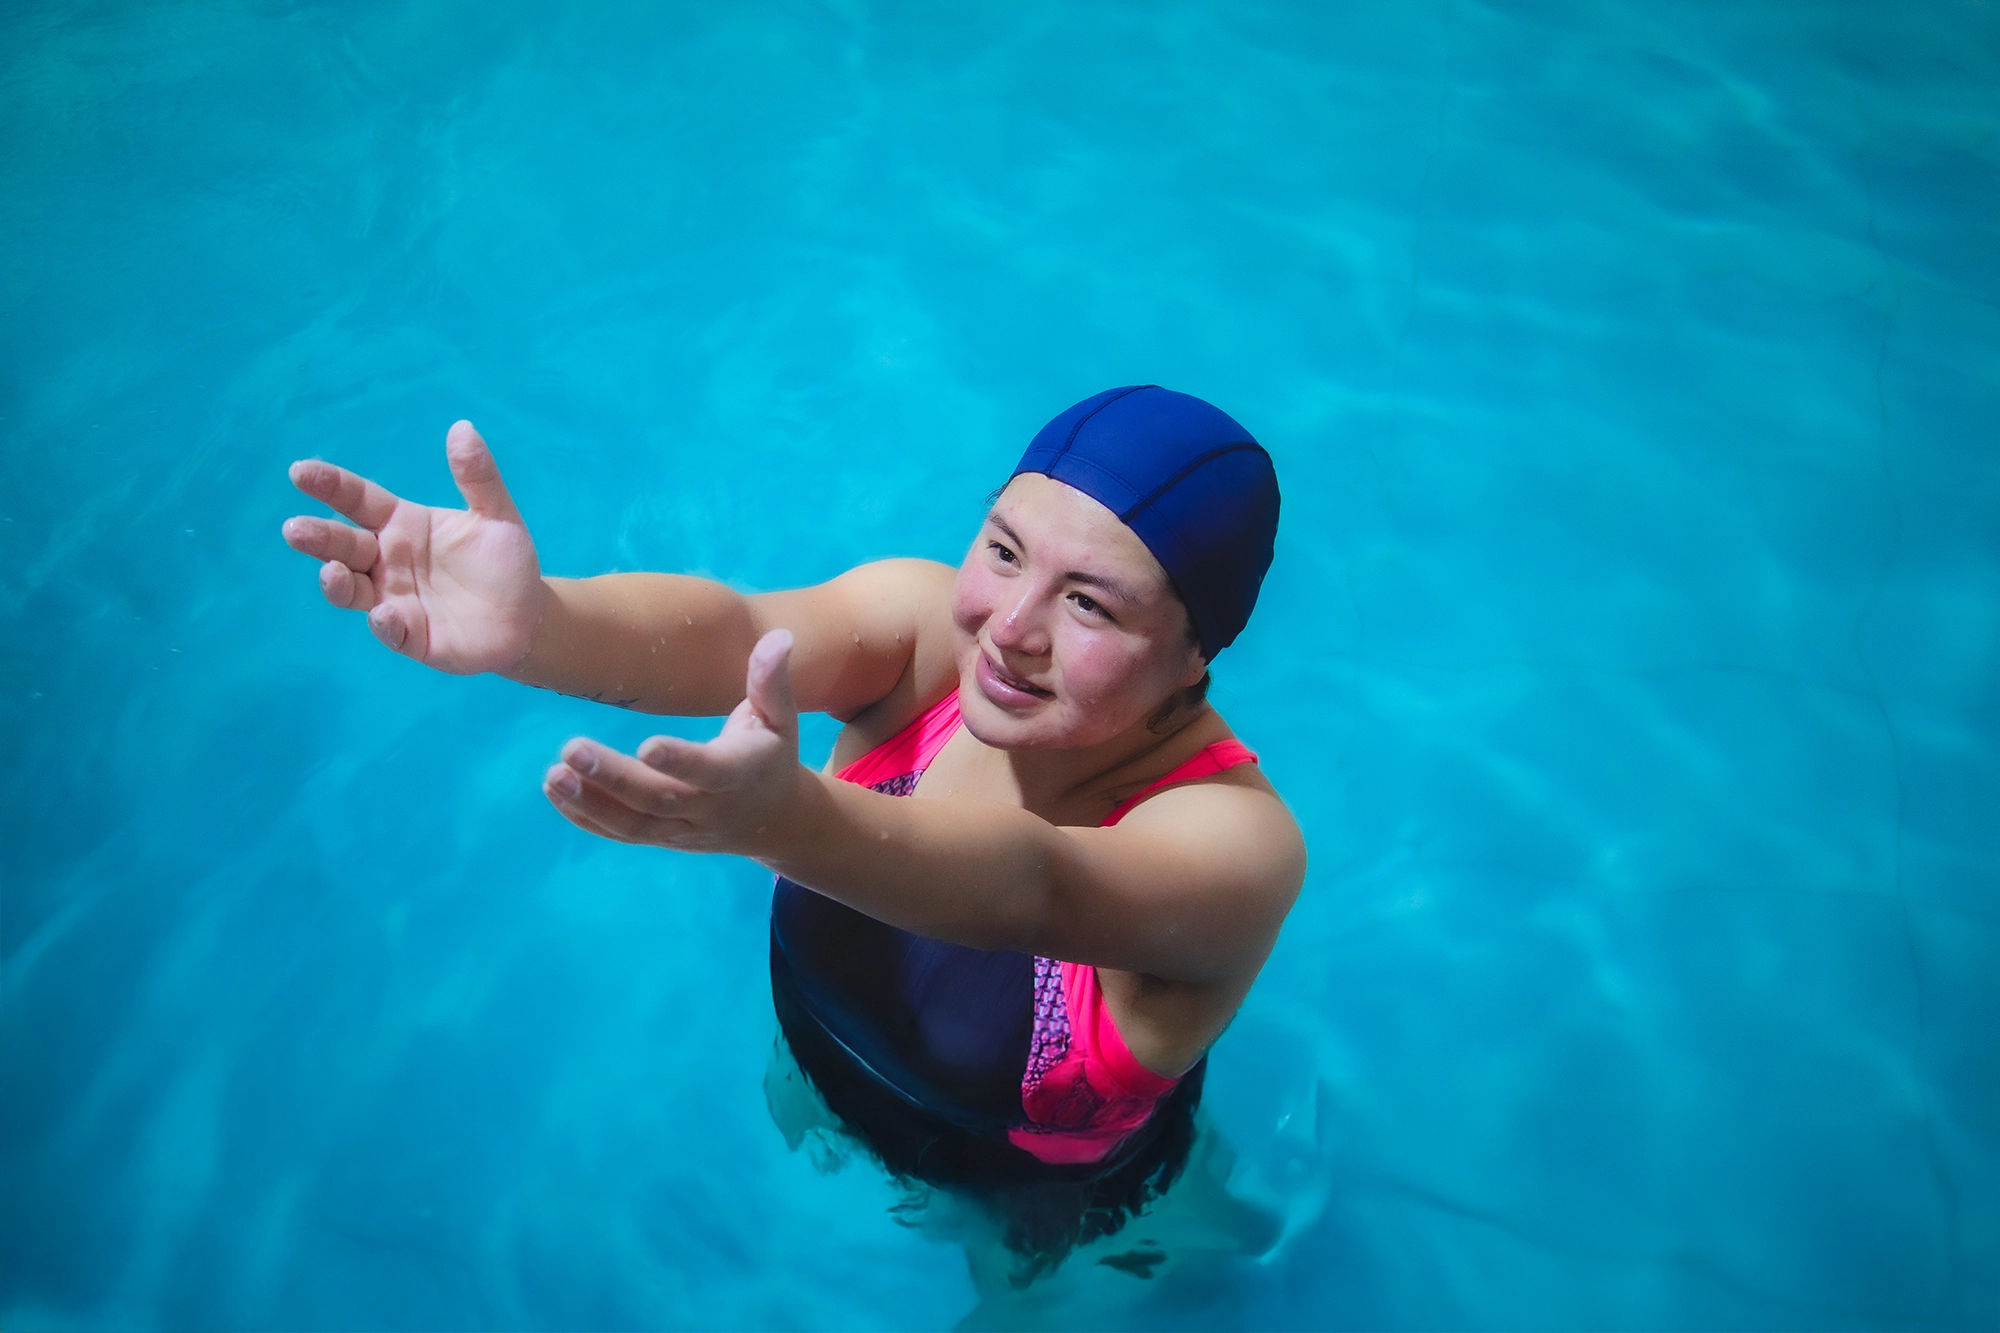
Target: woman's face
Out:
[1068,631]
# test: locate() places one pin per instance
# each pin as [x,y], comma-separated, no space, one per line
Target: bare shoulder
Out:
[871,647]
[906,590]
[864,637]
[1224,859]
[913,597]
[1233,825]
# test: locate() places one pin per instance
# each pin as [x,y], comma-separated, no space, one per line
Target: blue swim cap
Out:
[1194,485]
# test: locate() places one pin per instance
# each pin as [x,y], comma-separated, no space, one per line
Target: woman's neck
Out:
[1053,780]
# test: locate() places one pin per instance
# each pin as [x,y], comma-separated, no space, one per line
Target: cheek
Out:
[1105,673]
[972,598]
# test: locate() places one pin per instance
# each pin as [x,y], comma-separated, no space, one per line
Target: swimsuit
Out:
[973,1062]
[995,1074]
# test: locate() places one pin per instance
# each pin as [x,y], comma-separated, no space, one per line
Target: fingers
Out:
[355,496]
[399,624]
[348,554]
[575,807]
[324,539]
[477,475]
[592,805]
[770,682]
[692,763]
[344,588]
[642,788]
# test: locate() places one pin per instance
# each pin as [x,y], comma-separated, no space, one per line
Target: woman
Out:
[1038,875]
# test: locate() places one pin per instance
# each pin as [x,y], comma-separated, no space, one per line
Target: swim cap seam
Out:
[1073,463]
[1084,420]
[1190,468]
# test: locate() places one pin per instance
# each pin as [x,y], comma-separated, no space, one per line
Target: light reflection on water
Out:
[1630,655]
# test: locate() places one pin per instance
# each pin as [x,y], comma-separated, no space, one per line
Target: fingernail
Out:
[565,783]
[582,758]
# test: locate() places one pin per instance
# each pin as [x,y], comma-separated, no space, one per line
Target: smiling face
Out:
[1068,632]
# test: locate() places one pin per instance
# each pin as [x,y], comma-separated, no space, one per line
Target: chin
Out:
[994,726]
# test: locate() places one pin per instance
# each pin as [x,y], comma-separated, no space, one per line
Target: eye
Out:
[1089,604]
[1001,552]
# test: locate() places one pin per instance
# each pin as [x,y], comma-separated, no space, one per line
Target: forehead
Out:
[1059,523]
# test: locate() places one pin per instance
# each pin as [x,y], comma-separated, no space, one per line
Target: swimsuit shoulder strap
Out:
[1215,758]
[1084,1091]
[909,750]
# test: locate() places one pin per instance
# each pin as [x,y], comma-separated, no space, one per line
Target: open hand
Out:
[457,589]
[732,794]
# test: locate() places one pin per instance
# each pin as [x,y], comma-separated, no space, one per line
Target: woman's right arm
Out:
[670,643]
[462,591]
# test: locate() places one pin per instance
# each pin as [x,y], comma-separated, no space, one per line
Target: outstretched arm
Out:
[670,643]
[462,590]
[1191,887]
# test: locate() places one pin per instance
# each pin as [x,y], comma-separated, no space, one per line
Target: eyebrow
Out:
[1112,586]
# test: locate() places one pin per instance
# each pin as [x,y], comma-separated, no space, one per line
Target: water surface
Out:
[1632,655]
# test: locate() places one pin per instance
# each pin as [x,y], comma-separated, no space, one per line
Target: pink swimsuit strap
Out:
[912,749]
[1216,757]
[1084,1091]
[909,750]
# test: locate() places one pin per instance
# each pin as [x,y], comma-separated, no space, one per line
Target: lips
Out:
[1005,688]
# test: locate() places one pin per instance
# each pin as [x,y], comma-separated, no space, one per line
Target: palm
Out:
[471,579]
[457,589]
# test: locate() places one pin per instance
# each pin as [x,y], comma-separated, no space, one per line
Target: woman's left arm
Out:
[1191,886]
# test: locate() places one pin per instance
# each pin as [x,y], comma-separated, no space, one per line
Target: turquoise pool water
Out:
[1632,657]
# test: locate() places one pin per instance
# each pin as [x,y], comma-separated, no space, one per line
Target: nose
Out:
[1019,625]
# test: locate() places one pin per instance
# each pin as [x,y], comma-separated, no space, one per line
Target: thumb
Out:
[770,683]
[477,475]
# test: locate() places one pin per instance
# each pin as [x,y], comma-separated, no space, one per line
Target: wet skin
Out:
[1068,648]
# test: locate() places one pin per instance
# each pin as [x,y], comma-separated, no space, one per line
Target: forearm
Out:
[658,643]
[977,873]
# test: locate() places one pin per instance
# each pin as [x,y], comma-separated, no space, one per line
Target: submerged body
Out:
[1001,1044]
[1032,932]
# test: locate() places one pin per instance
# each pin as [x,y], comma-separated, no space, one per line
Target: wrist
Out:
[801,832]
[543,610]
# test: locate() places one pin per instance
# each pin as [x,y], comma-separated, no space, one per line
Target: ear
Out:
[1197,666]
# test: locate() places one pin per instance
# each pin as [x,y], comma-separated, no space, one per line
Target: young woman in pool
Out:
[1038,875]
